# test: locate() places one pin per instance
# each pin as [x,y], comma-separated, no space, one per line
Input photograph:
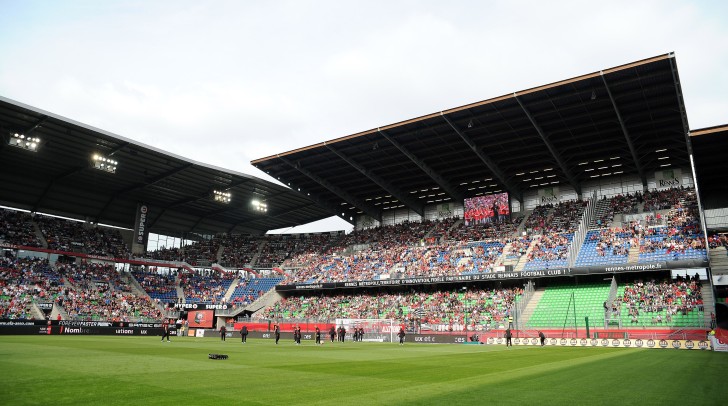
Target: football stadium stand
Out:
[584,210]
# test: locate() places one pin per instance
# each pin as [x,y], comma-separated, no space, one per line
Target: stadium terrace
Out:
[585,209]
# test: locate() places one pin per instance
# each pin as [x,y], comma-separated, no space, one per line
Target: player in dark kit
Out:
[332,333]
[355,334]
[244,333]
[277,332]
[542,337]
[401,335]
[508,338]
[297,335]
[223,330]
[318,335]
[165,329]
[361,333]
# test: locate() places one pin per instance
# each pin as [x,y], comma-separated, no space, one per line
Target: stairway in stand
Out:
[531,307]
[522,261]
[634,254]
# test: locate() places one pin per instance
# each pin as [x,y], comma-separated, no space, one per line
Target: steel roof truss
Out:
[492,166]
[557,157]
[388,187]
[434,175]
[371,211]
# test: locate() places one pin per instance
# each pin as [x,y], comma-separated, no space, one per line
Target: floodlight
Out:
[103,163]
[21,141]
[259,206]
[222,197]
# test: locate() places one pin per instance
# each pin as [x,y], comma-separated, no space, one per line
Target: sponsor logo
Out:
[549,199]
[689,344]
[594,342]
[638,343]
[650,343]
[534,341]
[668,182]
[703,345]
[562,341]
[73,330]
[17,323]
[663,343]
[313,286]
[85,323]
[572,341]
[553,341]
[605,342]
[627,342]
[583,342]
[675,344]
[516,341]
[124,331]
[615,342]
[142,223]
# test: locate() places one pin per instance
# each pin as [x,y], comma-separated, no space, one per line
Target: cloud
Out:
[229,82]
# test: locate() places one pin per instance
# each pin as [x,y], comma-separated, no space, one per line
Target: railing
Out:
[520,306]
[580,233]
[610,316]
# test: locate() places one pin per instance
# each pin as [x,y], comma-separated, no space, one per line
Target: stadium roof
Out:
[629,119]
[59,179]
[710,164]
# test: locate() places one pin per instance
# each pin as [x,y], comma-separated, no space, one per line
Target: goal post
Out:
[375,330]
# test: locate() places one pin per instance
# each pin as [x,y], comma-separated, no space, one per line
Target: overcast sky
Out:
[226,82]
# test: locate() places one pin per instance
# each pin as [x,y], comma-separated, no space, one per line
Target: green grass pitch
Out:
[107,370]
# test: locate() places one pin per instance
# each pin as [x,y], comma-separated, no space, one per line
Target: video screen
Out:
[200,318]
[486,209]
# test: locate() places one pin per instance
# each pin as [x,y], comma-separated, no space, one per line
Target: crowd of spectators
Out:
[157,285]
[620,204]
[716,240]
[249,290]
[666,198]
[614,241]
[550,247]
[103,303]
[199,253]
[74,236]
[16,227]
[98,291]
[276,248]
[206,286]
[479,307]
[519,246]
[658,302]
[560,218]
[24,281]
[238,250]
[503,228]
[683,230]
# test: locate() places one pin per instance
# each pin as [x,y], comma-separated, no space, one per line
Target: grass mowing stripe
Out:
[141,370]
